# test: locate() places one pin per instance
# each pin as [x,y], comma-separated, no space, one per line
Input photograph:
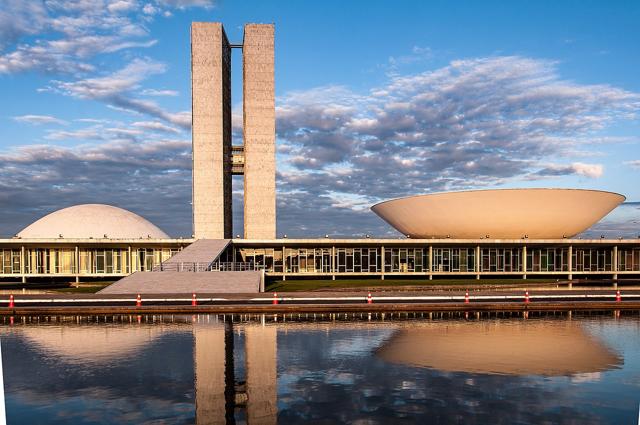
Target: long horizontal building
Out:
[38,260]
[44,260]
[432,258]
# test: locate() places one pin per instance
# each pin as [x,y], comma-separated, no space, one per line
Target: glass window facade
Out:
[501,260]
[392,259]
[454,260]
[329,260]
[629,260]
[10,261]
[592,259]
[145,259]
[90,261]
[268,258]
[50,261]
[406,260]
[493,259]
[307,260]
[547,259]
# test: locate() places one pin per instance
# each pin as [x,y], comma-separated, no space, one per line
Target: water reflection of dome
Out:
[92,221]
[510,348]
[82,344]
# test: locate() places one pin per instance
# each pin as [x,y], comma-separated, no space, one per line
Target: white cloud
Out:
[155,126]
[150,9]
[84,134]
[120,6]
[92,120]
[66,35]
[65,55]
[635,163]
[588,170]
[124,80]
[116,90]
[153,92]
[418,55]
[183,4]
[39,119]
[593,171]
[20,18]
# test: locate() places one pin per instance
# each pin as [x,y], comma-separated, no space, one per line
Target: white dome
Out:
[92,221]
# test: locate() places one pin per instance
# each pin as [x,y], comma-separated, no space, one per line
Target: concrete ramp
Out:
[202,251]
[171,282]
[186,272]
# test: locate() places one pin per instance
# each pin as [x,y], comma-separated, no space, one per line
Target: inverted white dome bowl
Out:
[498,213]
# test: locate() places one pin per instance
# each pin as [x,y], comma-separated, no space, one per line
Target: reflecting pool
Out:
[446,368]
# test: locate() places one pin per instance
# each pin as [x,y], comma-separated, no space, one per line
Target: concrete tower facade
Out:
[259,124]
[214,159]
[211,130]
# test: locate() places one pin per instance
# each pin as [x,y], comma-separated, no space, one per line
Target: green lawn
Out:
[292,285]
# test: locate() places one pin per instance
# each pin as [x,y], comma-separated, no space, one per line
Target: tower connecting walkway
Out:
[189,272]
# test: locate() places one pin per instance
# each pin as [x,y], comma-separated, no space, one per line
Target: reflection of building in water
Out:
[209,365]
[83,344]
[217,394]
[520,348]
[261,359]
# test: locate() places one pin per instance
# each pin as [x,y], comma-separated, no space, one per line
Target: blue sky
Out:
[374,100]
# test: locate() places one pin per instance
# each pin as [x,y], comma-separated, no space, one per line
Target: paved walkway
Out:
[201,251]
[186,283]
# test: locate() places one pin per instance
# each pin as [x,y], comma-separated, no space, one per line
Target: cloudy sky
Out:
[375,100]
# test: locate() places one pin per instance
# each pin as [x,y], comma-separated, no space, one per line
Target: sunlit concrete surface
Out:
[211,108]
[259,131]
[501,213]
[202,251]
[92,221]
[176,282]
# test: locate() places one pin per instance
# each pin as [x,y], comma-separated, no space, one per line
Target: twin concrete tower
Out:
[215,160]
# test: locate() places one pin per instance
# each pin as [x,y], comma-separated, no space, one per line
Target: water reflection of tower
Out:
[217,394]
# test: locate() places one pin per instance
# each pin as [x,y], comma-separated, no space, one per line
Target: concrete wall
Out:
[211,106]
[259,132]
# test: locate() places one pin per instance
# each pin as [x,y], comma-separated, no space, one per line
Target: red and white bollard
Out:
[466,297]
[11,303]
[194,300]
[275,298]
[369,298]
[526,297]
[618,296]
[138,301]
